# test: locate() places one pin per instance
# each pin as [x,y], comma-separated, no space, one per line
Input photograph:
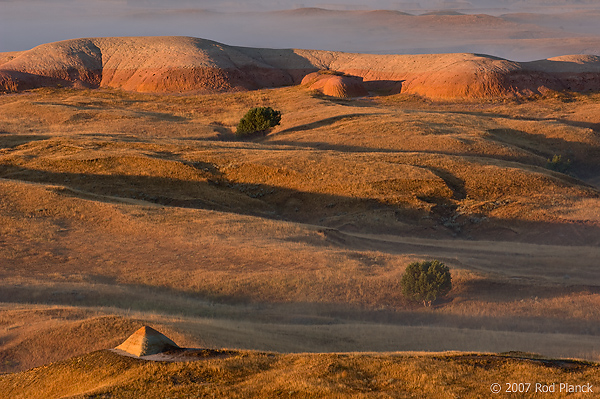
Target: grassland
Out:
[243,374]
[121,209]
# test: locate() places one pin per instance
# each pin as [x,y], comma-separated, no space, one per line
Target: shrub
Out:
[426,281]
[258,120]
[558,164]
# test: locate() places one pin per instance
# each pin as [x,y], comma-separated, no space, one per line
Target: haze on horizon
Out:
[520,30]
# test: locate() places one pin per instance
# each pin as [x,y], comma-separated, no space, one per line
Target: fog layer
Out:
[514,29]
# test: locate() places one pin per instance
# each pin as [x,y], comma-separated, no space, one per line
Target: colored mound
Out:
[184,64]
[335,84]
[147,341]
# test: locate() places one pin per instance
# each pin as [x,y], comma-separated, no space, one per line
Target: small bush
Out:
[558,164]
[426,281]
[258,120]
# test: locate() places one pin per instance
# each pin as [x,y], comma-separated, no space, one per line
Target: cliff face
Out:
[184,64]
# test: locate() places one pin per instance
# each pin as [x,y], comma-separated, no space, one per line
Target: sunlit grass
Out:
[123,208]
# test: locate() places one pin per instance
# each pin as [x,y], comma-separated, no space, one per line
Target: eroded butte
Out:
[186,64]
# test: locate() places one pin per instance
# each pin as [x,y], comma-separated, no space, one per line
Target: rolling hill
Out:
[183,64]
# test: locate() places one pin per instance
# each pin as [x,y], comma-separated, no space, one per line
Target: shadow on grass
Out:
[359,214]
[8,140]
[580,124]
[322,123]
[345,148]
[212,191]
[171,302]
[585,158]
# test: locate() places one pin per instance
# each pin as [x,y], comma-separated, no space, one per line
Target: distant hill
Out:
[185,64]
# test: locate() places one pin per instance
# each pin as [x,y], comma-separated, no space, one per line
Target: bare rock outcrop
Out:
[72,63]
[144,64]
[185,64]
[147,341]
[335,84]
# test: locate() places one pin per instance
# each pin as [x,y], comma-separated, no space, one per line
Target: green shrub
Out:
[426,281]
[558,164]
[258,120]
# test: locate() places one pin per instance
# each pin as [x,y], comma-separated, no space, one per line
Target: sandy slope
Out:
[183,64]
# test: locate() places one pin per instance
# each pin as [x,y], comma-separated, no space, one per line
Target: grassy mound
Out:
[270,375]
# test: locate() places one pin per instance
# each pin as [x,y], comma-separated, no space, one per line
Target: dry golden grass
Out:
[118,209]
[245,374]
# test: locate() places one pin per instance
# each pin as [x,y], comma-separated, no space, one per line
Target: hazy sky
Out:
[27,23]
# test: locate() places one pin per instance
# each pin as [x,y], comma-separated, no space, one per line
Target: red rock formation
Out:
[184,64]
[335,85]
